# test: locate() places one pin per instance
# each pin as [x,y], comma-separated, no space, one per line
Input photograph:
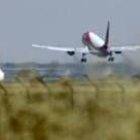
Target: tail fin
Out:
[107,34]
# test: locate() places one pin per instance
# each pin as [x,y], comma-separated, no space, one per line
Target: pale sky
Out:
[62,23]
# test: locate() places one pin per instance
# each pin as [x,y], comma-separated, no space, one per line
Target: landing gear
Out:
[111,59]
[84,59]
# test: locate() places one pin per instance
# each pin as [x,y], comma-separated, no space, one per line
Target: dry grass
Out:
[101,109]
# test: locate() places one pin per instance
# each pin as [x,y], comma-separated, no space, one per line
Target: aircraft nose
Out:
[86,36]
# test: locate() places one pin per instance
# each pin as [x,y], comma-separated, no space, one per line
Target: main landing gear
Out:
[111,58]
[84,59]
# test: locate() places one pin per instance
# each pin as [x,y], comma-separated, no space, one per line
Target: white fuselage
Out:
[96,40]
[94,43]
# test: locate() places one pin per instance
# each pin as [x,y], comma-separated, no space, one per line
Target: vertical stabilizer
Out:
[107,34]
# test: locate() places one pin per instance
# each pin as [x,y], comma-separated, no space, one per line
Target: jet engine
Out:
[118,52]
[71,53]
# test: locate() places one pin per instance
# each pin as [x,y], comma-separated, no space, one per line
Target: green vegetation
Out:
[92,109]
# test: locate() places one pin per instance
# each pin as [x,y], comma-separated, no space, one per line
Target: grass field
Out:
[92,109]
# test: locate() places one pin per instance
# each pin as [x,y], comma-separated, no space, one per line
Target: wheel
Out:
[111,59]
[83,60]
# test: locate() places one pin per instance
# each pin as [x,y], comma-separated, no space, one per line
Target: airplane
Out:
[93,44]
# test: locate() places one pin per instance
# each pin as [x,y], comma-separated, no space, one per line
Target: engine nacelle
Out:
[118,52]
[71,53]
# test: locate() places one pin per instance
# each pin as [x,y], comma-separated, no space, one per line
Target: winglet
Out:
[107,34]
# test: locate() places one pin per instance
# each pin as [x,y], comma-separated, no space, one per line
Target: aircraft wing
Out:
[124,48]
[62,49]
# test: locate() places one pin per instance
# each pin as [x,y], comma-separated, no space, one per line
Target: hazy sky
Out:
[62,23]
